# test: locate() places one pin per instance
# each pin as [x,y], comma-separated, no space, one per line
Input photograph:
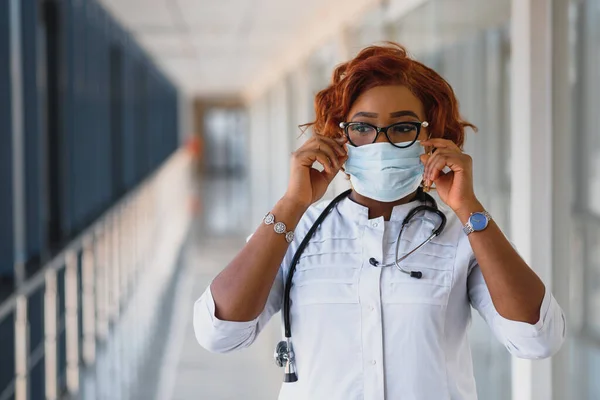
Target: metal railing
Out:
[61,319]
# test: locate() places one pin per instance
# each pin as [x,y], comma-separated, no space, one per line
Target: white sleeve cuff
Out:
[221,324]
[524,329]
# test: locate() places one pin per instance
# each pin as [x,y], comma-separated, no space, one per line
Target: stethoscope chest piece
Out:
[284,357]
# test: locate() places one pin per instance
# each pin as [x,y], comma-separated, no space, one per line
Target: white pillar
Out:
[51,335]
[562,190]
[21,349]
[72,322]
[531,165]
[89,302]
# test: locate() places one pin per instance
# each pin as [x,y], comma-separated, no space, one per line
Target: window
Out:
[585,273]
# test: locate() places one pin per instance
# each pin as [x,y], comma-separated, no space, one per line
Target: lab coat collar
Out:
[360,213]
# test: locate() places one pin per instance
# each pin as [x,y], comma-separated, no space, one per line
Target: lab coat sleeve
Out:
[523,340]
[221,336]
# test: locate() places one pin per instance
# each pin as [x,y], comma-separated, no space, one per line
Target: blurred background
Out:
[142,140]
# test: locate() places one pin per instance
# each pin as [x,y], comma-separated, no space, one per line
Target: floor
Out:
[187,370]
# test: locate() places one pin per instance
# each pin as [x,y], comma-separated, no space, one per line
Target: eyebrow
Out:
[396,114]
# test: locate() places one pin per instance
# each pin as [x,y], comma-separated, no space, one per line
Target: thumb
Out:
[424,158]
[329,175]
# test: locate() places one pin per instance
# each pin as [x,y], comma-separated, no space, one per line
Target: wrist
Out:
[467,208]
[292,206]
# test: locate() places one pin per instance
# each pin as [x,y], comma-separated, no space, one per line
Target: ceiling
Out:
[225,48]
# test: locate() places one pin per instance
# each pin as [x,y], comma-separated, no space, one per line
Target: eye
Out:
[361,128]
[403,128]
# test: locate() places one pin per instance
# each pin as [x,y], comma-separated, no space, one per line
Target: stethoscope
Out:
[284,352]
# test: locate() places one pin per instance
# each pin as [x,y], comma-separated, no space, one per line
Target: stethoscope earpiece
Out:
[416,274]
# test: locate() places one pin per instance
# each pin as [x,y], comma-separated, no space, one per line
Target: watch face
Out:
[478,221]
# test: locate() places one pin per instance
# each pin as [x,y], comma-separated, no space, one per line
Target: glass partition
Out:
[585,271]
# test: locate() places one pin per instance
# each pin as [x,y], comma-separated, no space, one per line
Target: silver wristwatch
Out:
[477,222]
[279,227]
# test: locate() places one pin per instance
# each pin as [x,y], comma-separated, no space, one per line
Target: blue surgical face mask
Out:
[383,172]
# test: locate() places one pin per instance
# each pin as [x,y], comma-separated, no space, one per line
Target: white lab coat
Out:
[365,332]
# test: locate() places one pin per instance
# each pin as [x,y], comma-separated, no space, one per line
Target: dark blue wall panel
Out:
[35,240]
[68,115]
[104,138]
[129,120]
[6,193]
[7,363]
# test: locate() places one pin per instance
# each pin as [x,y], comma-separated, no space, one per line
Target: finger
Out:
[307,158]
[456,162]
[344,156]
[331,154]
[430,160]
[441,144]
[425,160]
[329,175]
[341,139]
[336,146]
[437,161]
[436,168]
[321,146]
[330,166]
[322,159]
[435,156]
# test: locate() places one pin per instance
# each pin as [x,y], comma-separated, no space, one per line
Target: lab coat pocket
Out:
[433,288]
[325,283]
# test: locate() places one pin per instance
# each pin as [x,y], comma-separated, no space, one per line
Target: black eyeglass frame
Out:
[384,129]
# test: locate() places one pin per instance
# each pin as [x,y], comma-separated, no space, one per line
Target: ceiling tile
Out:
[213,46]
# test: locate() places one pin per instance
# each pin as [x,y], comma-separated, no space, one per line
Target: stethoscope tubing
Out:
[284,353]
[416,274]
[296,258]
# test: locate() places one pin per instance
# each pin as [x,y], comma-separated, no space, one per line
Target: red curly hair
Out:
[389,65]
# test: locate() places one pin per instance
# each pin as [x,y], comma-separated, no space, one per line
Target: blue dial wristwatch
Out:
[478,221]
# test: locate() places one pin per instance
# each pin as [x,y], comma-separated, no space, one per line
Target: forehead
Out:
[384,100]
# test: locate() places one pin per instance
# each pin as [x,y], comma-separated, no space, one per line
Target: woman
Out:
[362,328]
